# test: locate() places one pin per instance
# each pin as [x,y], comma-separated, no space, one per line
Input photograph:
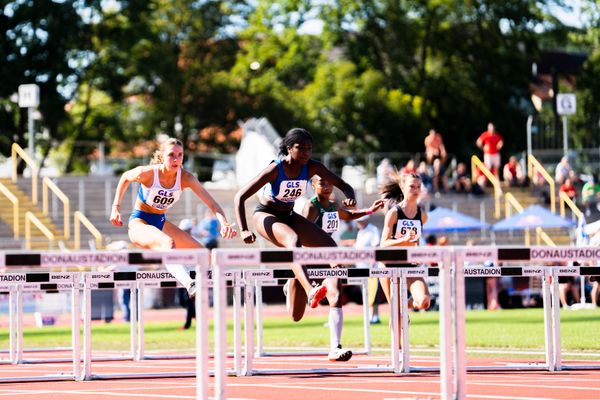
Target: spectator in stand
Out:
[367,237]
[491,142]
[563,171]
[569,189]
[462,180]
[434,147]
[409,168]
[423,172]
[440,180]
[384,171]
[207,230]
[590,193]
[513,173]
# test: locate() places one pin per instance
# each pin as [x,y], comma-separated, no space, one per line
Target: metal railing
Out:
[476,163]
[78,220]
[566,200]
[533,165]
[511,202]
[31,218]
[16,150]
[15,202]
[48,184]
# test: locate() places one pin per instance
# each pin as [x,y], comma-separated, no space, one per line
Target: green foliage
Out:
[376,78]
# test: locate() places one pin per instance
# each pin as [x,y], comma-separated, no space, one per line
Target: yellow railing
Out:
[510,202]
[31,218]
[48,184]
[78,219]
[564,199]
[533,165]
[477,163]
[16,150]
[543,236]
[15,202]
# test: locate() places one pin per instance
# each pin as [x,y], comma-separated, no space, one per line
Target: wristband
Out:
[116,205]
[368,212]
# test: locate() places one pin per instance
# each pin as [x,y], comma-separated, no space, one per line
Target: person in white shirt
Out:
[368,236]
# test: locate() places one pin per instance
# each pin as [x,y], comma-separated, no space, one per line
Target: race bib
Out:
[331,221]
[407,227]
[162,199]
[289,191]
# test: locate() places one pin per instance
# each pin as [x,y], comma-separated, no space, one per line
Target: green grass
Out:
[510,329]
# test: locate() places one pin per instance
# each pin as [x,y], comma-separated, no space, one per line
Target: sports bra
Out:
[404,223]
[285,190]
[159,197]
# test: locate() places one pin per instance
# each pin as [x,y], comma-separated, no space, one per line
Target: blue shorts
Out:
[157,220]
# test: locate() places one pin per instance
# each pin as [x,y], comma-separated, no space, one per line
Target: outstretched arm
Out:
[188,180]
[316,168]
[350,214]
[267,175]
[132,175]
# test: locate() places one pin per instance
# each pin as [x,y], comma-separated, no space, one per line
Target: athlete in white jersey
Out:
[403,226]
[161,184]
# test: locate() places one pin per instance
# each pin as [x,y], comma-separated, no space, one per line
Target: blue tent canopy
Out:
[444,220]
[533,217]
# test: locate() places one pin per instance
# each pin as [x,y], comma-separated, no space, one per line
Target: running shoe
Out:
[339,354]
[316,294]
[192,290]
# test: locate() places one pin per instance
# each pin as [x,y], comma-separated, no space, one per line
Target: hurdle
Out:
[115,280]
[18,283]
[569,271]
[261,281]
[529,255]
[229,258]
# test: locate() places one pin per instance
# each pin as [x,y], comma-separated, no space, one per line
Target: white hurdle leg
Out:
[404,337]
[459,322]
[19,311]
[87,330]
[201,333]
[556,345]
[547,300]
[220,318]
[237,323]
[445,312]
[259,318]
[249,327]
[137,321]
[76,327]
[364,288]
[12,315]
[394,320]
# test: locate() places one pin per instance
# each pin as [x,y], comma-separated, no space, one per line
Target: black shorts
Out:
[284,216]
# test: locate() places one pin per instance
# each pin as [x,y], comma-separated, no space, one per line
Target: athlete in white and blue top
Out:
[161,184]
[274,218]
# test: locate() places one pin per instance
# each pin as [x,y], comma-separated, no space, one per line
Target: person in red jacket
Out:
[491,142]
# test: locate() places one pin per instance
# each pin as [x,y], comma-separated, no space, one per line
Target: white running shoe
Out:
[339,354]
[192,290]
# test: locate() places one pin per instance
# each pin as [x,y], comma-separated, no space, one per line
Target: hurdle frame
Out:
[277,282]
[529,255]
[41,282]
[222,259]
